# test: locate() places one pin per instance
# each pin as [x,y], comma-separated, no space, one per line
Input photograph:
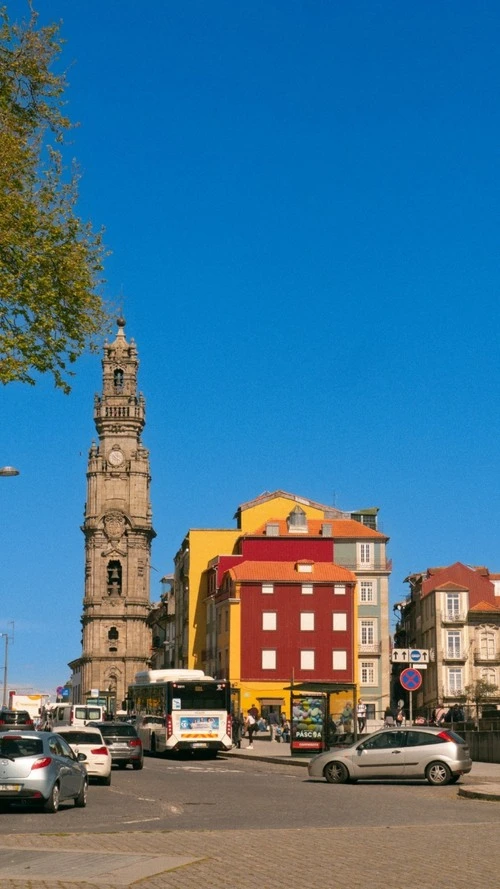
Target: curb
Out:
[281,760]
[481,791]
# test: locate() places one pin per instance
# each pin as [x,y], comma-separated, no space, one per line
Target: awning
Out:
[322,687]
[272,702]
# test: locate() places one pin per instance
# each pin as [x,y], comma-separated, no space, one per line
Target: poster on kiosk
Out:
[308,723]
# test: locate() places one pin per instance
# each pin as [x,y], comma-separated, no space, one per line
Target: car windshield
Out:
[20,746]
[119,730]
[77,737]
[14,717]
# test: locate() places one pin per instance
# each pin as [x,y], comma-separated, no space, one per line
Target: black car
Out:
[123,742]
[10,718]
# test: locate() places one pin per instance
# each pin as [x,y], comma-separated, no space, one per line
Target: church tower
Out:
[116,641]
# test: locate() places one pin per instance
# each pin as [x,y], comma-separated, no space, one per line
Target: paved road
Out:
[215,832]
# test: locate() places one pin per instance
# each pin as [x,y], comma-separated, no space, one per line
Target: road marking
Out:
[141,820]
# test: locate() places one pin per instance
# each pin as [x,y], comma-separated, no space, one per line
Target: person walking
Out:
[361,716]
[251,727]
[273,725]
[389,717]
[237,723]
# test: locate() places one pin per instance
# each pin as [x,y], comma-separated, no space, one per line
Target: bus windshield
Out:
[198,696]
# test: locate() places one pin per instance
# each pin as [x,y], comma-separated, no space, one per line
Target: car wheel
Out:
[438,773]
[336,773]
[137,766]
[106,780]
[81,799]
[52,803]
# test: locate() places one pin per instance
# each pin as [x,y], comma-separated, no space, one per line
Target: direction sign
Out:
[418,655]
[411,679]
[400,656]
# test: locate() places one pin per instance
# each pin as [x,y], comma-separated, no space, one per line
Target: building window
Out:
[487,645]
[453,646]
[118,379]
[496,585]
[113,634]
[453,605]
[268,588]
[339,660]
[307,589]
[366,592]
[488,674]
[269,659]
[367,673]
[339,621]
[367,632]
[307,620]
[365,554]
[339,589]
[455,680]
[307,660]
[269,620]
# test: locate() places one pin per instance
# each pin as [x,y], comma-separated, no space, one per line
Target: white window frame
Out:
[456,686]
[368,672]
[339,589]
[269,620]
[365,554]
[339,660]
[339,621]
[367,631]
[453,643]
[453,604]
[307,621]
[307,659]
[307,589]
[268,659]
[367,594]
[487,645]
[268,589]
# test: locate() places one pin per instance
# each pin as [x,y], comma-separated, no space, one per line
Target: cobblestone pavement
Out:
[406,856]
[380,858]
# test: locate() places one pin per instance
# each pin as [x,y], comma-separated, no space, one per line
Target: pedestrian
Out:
[389,717]
[237,730]
[361,716]
[400,715]
[346,718]
[331,731]
[285,727]
[439,714]
[251,727]
[255,713]
[273,725]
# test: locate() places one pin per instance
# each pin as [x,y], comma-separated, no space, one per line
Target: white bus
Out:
[178,710]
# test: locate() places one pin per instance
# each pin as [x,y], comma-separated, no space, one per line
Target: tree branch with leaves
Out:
[51,262]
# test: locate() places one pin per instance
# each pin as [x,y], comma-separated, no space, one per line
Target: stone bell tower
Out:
[116,641]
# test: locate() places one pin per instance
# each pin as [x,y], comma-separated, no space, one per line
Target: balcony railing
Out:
[454,617]
[486,657]
[454,655]
[370,647]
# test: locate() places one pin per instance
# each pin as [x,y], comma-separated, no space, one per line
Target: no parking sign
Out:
[411,679]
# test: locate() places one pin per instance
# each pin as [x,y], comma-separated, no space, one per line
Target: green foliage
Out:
[480,690]
[51,307]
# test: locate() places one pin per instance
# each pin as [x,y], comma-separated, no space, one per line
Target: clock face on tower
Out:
[115,458]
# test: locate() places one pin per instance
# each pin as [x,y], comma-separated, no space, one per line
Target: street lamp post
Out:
[5,668]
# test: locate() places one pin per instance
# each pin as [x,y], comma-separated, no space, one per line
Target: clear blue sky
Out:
[301,200]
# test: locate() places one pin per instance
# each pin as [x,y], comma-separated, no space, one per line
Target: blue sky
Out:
[301,200]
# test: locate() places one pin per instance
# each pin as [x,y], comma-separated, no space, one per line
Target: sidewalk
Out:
[482,782]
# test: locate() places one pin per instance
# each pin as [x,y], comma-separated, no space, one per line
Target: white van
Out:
[75,714]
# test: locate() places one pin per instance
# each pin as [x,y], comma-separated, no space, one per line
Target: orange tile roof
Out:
[262,572]
[344,528]
[485,606]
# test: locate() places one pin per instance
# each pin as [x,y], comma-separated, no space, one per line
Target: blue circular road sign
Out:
[411,679]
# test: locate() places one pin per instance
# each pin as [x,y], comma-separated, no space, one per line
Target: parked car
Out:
[89,741]
[9,718]
[123,742]
[40,767]
[439,755]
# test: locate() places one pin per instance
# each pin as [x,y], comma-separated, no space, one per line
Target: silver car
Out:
[437,754]
[40,767]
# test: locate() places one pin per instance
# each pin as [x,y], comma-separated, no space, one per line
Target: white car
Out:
[89,741]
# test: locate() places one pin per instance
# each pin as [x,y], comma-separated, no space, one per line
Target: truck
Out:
[33,703]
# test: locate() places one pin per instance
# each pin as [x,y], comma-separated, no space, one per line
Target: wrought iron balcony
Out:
[454,617]
[370,647]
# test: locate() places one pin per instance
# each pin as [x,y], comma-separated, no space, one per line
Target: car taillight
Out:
[41,763]
[445,736]
[135,742]
[100,751]
[169,726]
